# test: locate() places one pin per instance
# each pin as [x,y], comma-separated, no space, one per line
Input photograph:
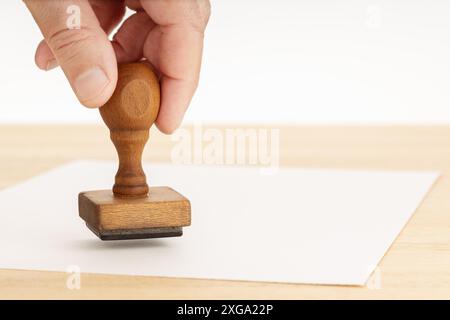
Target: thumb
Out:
[80,46]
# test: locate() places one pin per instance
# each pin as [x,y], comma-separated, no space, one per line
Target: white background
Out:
[295,61]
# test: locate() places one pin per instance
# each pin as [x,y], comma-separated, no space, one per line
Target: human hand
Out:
[168,34]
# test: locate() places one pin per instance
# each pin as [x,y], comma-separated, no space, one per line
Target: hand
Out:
[168,34]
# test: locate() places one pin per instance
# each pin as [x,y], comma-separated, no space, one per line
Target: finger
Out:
[44,57]
[109,14]
[129,40]
[175,47]
[133,4]
[176,96]
[84,53]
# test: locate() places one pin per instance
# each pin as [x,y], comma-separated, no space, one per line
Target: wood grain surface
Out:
[129,114]
[163,207]
[416,266]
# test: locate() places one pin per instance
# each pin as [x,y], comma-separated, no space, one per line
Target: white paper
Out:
[297,226]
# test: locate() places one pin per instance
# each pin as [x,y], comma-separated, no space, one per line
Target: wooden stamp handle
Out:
[129,114]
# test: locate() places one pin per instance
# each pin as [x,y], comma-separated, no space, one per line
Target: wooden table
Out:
[416,266]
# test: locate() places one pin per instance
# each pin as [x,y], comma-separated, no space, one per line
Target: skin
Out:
[168,34]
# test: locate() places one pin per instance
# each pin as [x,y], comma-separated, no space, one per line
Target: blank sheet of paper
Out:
[297,225]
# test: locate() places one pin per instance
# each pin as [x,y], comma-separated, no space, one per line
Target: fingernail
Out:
[90,84]
[52,64]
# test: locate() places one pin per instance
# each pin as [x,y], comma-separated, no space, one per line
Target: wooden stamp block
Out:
[161,214]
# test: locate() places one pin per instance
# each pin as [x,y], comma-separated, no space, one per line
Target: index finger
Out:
[175,48]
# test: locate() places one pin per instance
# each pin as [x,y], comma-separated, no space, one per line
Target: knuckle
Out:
[205,11]
[203,14]
[65,42]
[197,15]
